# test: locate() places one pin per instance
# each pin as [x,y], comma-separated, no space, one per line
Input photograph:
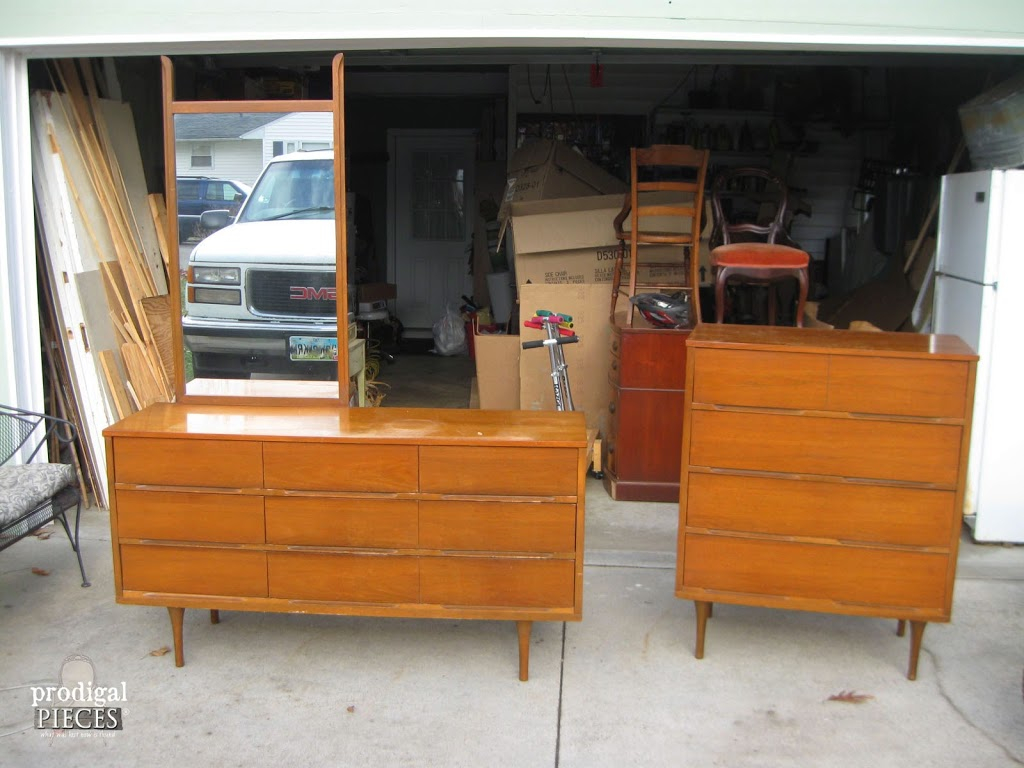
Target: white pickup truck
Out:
[261,290]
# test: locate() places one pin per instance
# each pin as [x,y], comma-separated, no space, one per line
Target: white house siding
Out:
[307,130]
[237,159]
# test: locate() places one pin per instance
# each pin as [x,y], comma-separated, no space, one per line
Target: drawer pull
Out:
[611,407]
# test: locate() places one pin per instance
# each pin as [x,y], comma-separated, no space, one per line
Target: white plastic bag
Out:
[450,333]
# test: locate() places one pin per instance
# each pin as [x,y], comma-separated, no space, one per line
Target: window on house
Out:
[202,156]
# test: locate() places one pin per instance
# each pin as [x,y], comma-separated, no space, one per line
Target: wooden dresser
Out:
[641,450]
[380,512]
[823,471]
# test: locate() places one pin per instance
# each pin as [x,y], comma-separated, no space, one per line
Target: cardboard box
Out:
[588,360]
[546,170]
[376,291]
[993,125]
[573,241]
[497,370]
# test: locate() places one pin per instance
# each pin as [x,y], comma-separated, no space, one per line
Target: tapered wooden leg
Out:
[177,618]
[901,628]
[214,616]
[916,634]
[524,628]
[703,612]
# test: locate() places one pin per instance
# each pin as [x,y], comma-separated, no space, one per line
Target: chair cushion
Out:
[759,255]
[26,486]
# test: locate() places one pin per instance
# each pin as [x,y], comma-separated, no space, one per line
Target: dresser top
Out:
[821,340]
[316,423]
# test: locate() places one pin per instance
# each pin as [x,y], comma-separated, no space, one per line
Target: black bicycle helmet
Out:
[662,310]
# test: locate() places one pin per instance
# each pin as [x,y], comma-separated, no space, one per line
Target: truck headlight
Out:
[231,296]
[216,275]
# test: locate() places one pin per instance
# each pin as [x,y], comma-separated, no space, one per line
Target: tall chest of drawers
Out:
[397,512]
[823,470]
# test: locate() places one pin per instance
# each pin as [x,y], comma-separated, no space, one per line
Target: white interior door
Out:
[430,202]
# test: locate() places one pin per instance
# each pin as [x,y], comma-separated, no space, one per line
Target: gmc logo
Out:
[303,293]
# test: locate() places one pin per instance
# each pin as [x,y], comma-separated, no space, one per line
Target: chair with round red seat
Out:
[751,251]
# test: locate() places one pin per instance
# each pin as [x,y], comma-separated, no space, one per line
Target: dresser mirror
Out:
[258,254]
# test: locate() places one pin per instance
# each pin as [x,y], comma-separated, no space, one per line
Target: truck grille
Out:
[293,293]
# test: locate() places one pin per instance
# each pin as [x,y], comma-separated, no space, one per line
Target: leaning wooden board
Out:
[824,470]
[405,512]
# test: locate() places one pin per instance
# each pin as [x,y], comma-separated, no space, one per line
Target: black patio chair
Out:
[35,493]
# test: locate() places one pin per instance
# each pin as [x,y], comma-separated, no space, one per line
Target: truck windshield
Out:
[301,189]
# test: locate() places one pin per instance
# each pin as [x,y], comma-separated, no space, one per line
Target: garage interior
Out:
[860,139]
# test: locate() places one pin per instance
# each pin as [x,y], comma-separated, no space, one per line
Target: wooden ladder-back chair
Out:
[663,207]
[754,251]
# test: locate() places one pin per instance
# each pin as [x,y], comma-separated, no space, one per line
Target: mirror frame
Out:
[275,391]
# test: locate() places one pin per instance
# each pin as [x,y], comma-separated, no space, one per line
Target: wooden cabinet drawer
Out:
[652,360]
[203,463]
[171,515]
[502,471]
[650,438]
[498,526]
[498,582]
[816,509]
[760,379]
[388,523]
[842,574]
[194,570]
[842,447]
[898,386]
[340,467]
[348,578]
[844,383]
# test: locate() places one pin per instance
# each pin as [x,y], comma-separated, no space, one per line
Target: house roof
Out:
[219,126]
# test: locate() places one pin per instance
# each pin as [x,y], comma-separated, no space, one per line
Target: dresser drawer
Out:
[760,379]
[897,386]
[340,467]
[502,471]
[497,526]
[203,463]
[347,578]
[386,523]
[194,570]
[842,574]
[846,512]
[841,447]
[497,582]
[208,517]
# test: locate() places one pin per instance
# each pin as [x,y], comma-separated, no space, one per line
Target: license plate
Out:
[312,348]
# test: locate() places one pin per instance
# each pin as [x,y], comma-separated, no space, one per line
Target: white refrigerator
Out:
[979,296]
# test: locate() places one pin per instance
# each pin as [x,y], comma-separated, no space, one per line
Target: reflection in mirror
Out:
[256,231]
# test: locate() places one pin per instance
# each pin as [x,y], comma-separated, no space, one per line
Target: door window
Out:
[438,196]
